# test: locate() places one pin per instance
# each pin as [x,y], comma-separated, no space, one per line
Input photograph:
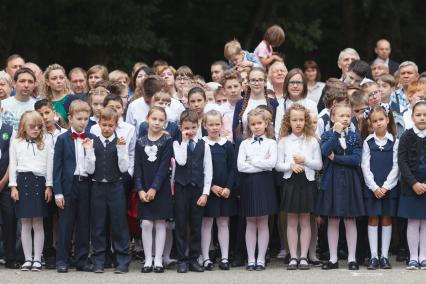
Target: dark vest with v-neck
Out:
[106,166]
[193,171]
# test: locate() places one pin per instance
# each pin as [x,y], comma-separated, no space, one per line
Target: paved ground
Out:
[275,273]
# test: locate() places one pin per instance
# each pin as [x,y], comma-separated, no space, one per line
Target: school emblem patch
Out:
[5,136]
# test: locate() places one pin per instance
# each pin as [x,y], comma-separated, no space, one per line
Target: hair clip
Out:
[366,114]
[386,107]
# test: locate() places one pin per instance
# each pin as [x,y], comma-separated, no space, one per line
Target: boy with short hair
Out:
[240,59]
[193,177]
[71,186]
[107,160]
[356,74]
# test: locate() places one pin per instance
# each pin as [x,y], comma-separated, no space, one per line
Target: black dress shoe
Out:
[251,267]
[182,267]
[208,265]
[314,262]
[85,268]
[402,255]
[50,263]
[62,269]
[373,263]
[194,266]
[384,263]
[146,269]
[303,264]
[237,262]
[260,267]
[329,265]
[12,265]
[224,265]
[293,263]
[353,265]
[158,269]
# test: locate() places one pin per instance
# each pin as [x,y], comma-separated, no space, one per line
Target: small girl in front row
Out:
[221,204]
[299,156]
[412,203]
[340,193]
[153,153]
[257,157]
[30,180]
[380,169]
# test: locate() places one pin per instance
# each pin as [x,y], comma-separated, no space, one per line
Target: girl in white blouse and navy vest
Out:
[30,180]
[299,156]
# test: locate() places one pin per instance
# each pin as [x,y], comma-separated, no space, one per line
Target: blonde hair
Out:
[46,90]
[162,96]
[78,106]
[97,91]
[31,117]
[211,113]
[108,114]
[286,130]
[266,116]
[416,87]
[232,48]
[116,75]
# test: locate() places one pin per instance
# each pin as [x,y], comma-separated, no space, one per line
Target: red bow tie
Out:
[75,135]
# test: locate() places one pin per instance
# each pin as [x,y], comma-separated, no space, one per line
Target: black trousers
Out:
[109,198]
[74,215]
[8,225]
[188,214]
[48,248]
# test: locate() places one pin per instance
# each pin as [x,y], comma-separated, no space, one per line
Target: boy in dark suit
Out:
[72,187]
[107,160]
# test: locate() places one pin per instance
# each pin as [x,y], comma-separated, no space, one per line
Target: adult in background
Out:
[39,78]
[276,75]
[217,70]
[383,51]
[377,68]
[313,76]
[13,63]
[6,85]
[408,73]
[346,56]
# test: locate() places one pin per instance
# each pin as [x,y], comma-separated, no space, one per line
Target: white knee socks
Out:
[27,242]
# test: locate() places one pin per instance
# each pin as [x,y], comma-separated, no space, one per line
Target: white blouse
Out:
[299,145]
[392,178]
[255,156]
[26,157]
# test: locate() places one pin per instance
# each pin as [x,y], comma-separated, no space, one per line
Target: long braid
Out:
[268,103]
[243,109]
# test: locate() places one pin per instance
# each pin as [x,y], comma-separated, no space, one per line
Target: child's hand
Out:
[2,184]
[298,159]
[319,220]
[217,190]
[142,196]
[48,194]
[60,202]
[121,141]
[186,136]
[87,143]
[419,188]
[276,57]
[14,193]
[338,127]
[150,195]
[202,200]
[296,168]
[226,192]
[378,193]
[248,162]
[331,156]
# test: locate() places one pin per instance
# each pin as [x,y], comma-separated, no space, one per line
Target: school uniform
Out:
[324,123]
[224,175]
[412,164]
[193,177]
[152,170]
[106,162]
[298,190]
[30,171]
[171,128]
[341,185]
[257,196]
[7,209]
[91,122]
[71,182]
[380,169]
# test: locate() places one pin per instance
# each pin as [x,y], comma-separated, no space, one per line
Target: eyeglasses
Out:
[183,79]
[35,126]
[373,94]
[295,82]
[256,81]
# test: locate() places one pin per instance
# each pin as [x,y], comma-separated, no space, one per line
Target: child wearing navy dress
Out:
[221,203]
[412,203]
[380,169]
[340,193]
[153,154]
[257,157]
[299,156]
[30,180]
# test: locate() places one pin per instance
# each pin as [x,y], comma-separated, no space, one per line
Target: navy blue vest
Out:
[106,166]
[381,160]
[5,134]
[193,171]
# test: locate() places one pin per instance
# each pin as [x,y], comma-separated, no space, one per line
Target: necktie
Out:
[257,139]
[30,142]
[106,142]
[75,135]
[191,145]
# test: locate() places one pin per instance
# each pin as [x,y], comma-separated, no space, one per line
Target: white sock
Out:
[386,239]
[422,255]
[38,238]
[206,236]
[333,238]
[351,238]
[26,238]
[147,226]
[223,235]
[372,240]
[413,238]
[160,239]
[251,230]
[263,238]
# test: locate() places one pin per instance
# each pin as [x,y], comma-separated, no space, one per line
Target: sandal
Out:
[208,265]
[224,264]
[292,265]
[305,265]
[27,265]
[36,268]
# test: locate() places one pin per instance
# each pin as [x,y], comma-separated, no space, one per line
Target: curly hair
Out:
[286,130]
[266,116]
[46,90]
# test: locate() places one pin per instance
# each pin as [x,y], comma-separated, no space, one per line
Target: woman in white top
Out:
[313,75]
[30,180]
[295,90]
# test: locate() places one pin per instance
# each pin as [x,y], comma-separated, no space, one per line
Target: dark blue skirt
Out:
[31,203]
[161,208]
[258,194]
[386,206]
[412,206]
[220,207]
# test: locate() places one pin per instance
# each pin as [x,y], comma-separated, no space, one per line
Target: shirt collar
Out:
[221,141]
[94,118]
[195,139]
[420,133]
[388,136]
[112,137]
[73,130]
[294,137]
[262,136]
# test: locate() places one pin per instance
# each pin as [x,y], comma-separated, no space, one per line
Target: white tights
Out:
[35,224]
[259,225]
[416,238]
[160,239]
[333,238]
[293,221]
[223,236]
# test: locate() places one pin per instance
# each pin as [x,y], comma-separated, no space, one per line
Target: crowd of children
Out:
[235,164]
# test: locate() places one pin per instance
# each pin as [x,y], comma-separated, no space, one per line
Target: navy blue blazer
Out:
[236,121]
[64,163]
